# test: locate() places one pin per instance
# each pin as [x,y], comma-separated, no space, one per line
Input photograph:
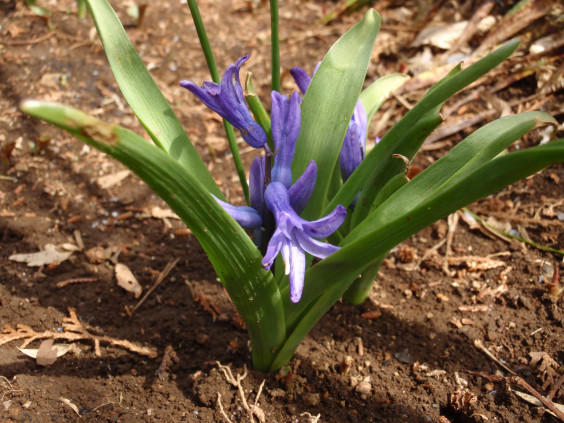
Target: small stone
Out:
[364,388]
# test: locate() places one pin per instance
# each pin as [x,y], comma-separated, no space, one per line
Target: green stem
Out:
[81,9]
[275,41]
[204,42]
[360,288]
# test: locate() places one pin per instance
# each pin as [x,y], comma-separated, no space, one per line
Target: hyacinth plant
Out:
[322,212]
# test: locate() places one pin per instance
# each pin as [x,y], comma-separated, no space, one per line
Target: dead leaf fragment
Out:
[47,353]
[127,280]
[159,213]
[51,80]
[441,36]
[474,308]
[109,181]
[51,254]
[371,315]
[70,404]
[462,399]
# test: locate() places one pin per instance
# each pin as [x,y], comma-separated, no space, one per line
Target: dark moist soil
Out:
[408,354]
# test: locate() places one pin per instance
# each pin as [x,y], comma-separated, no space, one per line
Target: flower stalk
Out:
[208,54]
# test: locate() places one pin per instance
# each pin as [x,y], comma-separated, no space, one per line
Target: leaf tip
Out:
[27,106]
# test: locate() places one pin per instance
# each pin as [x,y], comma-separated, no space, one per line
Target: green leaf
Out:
[232,253]
[81,8]
[386,167]
[143,95]
[333,275]
[329,103]
[38,10]
[452,83]
[374,96]
[478,148]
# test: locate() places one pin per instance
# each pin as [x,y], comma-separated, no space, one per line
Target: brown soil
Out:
[407,354]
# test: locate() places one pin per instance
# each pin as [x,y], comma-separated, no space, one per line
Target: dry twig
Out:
[159,280]
[73,330]
[480,345]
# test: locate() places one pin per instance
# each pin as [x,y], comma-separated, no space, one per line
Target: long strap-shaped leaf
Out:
[444,89]
[406,146]
[478,148]
[376,93]
[144,97]
[232,253]
[329,103]
[333,275]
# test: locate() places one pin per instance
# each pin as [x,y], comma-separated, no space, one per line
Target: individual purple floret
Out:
[228,101]
[256,185]
[301,191]
[354,144]
[286,121]
[352,151]
[301,77]
[245,216]
[294,236]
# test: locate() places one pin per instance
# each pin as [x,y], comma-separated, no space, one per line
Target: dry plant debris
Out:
[51,254]
[73,330]
[160,278]
[255,410]
[127,280]
[47,353]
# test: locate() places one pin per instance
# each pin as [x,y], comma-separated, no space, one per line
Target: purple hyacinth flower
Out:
[228,101]
[294,236]
[354,144]
[286,122]
[245,216]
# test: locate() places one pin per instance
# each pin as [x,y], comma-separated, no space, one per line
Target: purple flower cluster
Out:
[293,236]
[354,144]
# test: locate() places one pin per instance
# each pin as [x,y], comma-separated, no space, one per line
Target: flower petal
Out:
[350,155]
[228,101]
[245,216]
[286,118]
[297,271]
[301,77]
[302,189]
[354,144]
[256,185]
[314,247]
[274,246]
[325,226]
